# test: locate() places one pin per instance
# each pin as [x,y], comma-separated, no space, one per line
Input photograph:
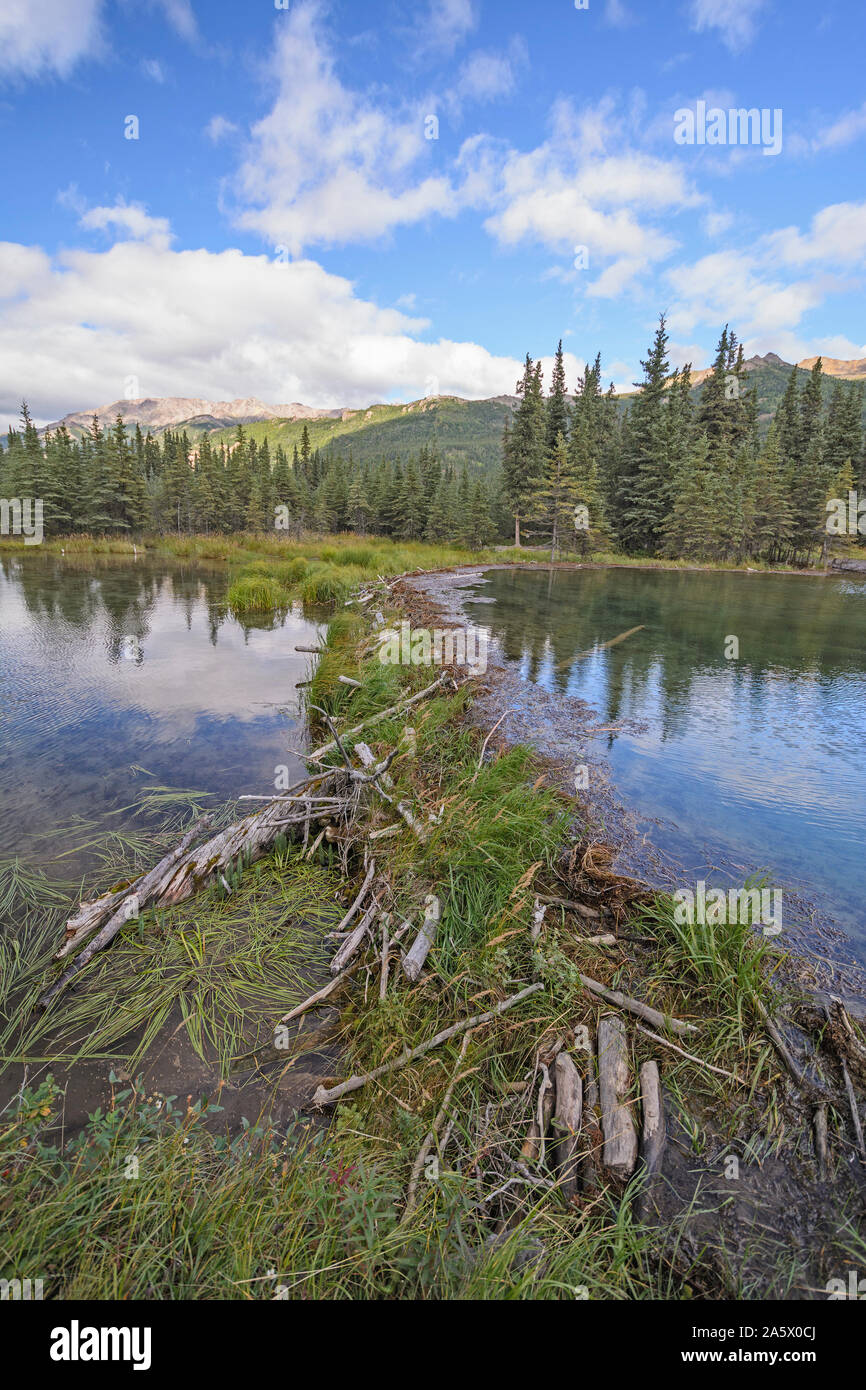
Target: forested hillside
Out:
[738,467]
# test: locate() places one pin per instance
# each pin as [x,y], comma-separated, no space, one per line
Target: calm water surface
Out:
[119,678]
[758,762]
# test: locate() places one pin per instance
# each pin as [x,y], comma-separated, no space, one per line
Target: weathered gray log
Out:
[620,1138]
[397,708]
[592,1141]
[653,1133]
[418,952]
[567,1122]
[362,893]
[635,1006]
[353,940]
[324,1096]
[138,897]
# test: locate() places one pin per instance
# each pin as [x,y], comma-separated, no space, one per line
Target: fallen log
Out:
[325,1096]
[634,1006]
[397,708]
[592,1140]
[653,1134]
[362,893]
[619,1154]
[353,940]
[418,952]
[567,1121]
[320,995]
[141,896]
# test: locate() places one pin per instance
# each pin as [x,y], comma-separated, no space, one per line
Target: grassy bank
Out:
[231,1195]
[154,1196]
[328,567]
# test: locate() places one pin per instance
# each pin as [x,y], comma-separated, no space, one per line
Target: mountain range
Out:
[462,430]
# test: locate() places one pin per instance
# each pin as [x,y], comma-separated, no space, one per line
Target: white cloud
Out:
[131,218]
[717,223]
[218,127]
[737,287]
[215,325]
[326,165]
[50,36]
[572,192]
[180,16]
[839,347]
[489,76]
[837,237]
[736,20]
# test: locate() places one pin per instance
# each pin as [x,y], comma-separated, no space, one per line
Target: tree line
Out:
[671,476]
[122,483]
[662,473]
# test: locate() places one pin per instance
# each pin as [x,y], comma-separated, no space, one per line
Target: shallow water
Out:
[119,677]
[751,763]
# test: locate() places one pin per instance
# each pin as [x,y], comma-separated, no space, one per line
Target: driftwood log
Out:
[653,1134]
[567,1121]
[354,939]
[418,952]
[634,1006]
[325,1096]
[620,1139]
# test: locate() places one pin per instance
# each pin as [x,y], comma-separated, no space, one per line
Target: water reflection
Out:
[119,675]
[758,760]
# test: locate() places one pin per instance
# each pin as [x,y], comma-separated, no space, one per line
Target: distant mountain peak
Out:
[161,412]
[854,369]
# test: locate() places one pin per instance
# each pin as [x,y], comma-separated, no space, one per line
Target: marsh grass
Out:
[231,965]
[256,593]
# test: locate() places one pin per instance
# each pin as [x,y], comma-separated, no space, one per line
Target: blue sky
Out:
[283,226]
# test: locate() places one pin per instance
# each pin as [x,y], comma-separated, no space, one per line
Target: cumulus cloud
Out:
[327,165]
[131,218]
[740,287]
[836,237]
[49,37]
[580,189]
[215,325]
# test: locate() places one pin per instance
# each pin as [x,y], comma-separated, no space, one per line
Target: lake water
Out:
[757,762]
[120,677]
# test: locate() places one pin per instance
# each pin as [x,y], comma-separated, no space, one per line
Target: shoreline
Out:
[491,848]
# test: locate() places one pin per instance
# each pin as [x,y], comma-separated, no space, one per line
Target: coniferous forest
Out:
[669,471]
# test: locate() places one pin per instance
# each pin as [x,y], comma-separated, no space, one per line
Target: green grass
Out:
[317,1212]
[256,593]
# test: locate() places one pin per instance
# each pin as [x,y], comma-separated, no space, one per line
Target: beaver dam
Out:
[412,1025]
